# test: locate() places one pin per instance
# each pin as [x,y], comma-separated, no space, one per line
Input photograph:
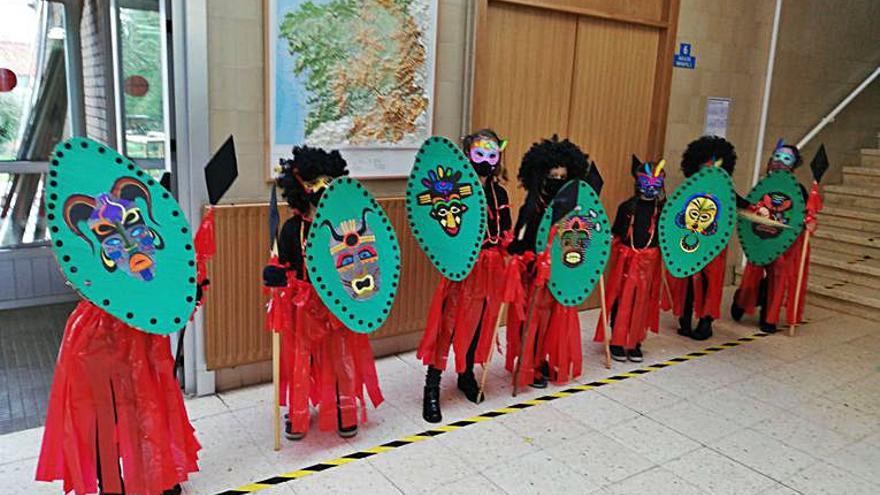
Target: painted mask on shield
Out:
[699,217]
[775,207]
[445,194]
[353,247]
[118,224]
[575,233]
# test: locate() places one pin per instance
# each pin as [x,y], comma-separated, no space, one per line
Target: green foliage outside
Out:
[10,115]
[142,56]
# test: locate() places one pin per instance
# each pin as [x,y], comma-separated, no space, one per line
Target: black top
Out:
[290,243]
[644,211]
[525,233]
[499,220]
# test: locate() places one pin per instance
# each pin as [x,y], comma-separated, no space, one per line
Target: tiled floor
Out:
[776,416]
[29,340]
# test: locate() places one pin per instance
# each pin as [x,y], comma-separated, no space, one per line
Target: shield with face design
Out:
[776,197]
[353,257]
[581,244]
[446,207]
[120,237]
[697,220]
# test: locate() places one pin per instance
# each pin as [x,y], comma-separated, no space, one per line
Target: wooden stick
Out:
[800,281]
[525,339]
[605,325]
[491,353]
[276,386]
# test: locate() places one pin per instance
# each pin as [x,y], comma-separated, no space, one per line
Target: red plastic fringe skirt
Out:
[114,396]
[555,328]
[782,275]
[708,289]
[459,308]
[634,285]
[322,361]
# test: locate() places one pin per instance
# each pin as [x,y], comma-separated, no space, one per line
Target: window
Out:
[33,113]
[140,57]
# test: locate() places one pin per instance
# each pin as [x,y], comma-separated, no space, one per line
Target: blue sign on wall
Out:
[683,58]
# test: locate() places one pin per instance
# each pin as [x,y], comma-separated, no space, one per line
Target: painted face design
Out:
[774,206]
[445,194]
[118,224]
[575,234]
[650,187]
[699,217]
[782,159]
[315,187]
[353,247]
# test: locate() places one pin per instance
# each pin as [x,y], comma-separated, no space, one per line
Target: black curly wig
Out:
[307,165]
[547,155]
[705,149]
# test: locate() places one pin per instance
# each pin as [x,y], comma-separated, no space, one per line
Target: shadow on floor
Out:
[29,341]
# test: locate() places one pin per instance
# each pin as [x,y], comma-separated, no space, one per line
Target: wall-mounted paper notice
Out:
[717,113]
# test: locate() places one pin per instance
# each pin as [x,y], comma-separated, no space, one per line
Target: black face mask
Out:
[551,187]
[483,169]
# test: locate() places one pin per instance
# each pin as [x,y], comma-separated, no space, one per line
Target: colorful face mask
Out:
[118,224]
[575,234]
[485,154]
[782,159]
[353,248]
[774,206]
[650,180]
[700,216]
[315,187]
[445,195]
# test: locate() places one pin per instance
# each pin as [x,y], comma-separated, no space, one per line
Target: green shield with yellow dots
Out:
[120,238]
[580,245]
[446,207]
[697,220]
[776,197]
[353,257]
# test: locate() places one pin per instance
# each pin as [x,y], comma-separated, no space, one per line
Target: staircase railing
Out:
[831,115]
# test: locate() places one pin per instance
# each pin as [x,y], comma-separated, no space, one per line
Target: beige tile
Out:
[763,453]
[600,458]
[539,473]
[657,481]
[651,439]
[717,474]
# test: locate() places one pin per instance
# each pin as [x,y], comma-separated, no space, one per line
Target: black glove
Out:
[274,276]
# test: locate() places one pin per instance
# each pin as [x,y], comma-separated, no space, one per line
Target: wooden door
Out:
[596,72]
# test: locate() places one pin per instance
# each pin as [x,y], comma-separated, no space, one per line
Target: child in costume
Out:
[322,361]
[770,285]
[633,290]
[463,314]
[116,421]
[700,294]
[545,168]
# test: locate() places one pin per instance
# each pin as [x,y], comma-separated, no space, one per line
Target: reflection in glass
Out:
[22,210]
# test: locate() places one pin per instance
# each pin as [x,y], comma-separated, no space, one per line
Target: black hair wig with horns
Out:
[307,164]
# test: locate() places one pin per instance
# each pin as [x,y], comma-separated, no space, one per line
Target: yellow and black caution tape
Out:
[486,416]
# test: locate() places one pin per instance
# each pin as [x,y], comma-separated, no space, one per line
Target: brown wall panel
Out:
[235,304]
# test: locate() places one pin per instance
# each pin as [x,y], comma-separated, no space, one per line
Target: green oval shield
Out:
[777,197]
[120,237]
[697,221]
[353,257]
[446,207]
[581,245]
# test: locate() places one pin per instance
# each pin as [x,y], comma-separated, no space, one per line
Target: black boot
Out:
[618,353]
[704,329]
[768,327]
[542,379]
[431,400]
[467,383]
[684,326]
[736,312]
[175,490]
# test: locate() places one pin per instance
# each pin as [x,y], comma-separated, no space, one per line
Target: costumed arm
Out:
[621,219]
[289,255]
[525,231]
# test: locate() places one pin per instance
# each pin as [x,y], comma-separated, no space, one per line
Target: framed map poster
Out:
[354,76]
